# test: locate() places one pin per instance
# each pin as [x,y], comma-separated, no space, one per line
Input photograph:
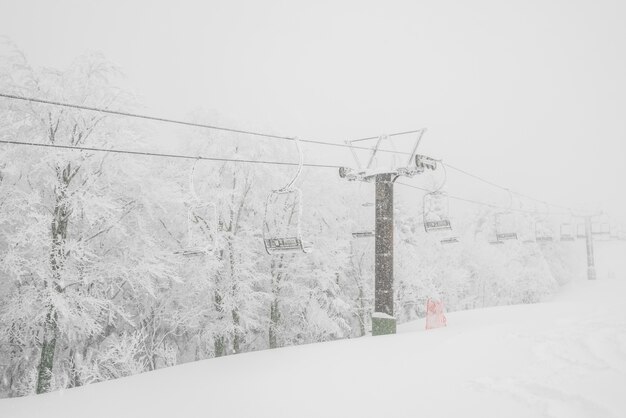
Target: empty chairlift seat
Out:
[281,226]
[506,226]
[436,212]
[544,231]
[605,229]
[567,232]
[281,223]
[363,234]
[201,230]
[527,229]
[601,229]
[201,224]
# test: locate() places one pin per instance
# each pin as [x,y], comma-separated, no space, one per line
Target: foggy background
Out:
[528,94]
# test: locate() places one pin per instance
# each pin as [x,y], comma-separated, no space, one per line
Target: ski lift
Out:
[358,219]
[363,234]
[595,228]
[450,240]
[487,229]
[493,239]
[505,226]
[376,163]
[199,230]
[201,224]
[436,212]
[527,230]
[567,232]
[506,223]
[605,229]
[283,210]
[543,231]
[601,228]
[581,231]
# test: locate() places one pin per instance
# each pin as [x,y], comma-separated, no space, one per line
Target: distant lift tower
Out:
[384,166]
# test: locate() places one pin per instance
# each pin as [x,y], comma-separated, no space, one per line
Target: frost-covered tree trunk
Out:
[275,316]
[219,344]
[58,254]
[236,208]
[361,310]
[48,345]
[73,233]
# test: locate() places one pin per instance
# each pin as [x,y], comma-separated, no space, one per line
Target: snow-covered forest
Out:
[93,285]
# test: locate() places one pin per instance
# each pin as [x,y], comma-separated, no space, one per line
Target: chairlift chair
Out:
[488,230]
[495,241]
[281,226]
[505,223]
[527,230]
[601,229]
[595,228]
[281,223]
[567,232]
[201,228]
[617,231]
[450,240]
[605,229]
[363,234]
[201,224]
[505,226]
[436,212]
[543,232]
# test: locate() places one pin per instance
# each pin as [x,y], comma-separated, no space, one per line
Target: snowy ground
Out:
[563,358]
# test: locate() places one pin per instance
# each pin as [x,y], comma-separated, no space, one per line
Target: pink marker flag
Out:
[435,317]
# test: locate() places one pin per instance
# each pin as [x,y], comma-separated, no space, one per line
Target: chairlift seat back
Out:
[450,240]
[506,226]
[440,225]
[281,225]
[436,212]
[567,232]
[363,234]
[201,230]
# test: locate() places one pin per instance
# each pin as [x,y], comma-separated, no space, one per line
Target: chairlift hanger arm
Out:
[289,185]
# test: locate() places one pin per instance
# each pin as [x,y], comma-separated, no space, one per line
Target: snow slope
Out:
[563,358]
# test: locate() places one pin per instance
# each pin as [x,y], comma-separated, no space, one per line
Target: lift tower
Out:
[384,167]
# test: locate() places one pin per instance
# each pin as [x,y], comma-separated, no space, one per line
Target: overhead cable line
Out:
[460,170]
[195,124]
[477,202]
[164,155]
[259,134]
[233,160]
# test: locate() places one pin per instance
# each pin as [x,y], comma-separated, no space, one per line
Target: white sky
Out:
[530,94]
